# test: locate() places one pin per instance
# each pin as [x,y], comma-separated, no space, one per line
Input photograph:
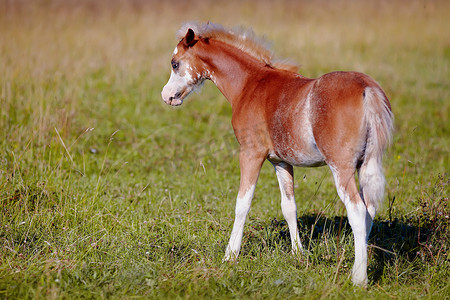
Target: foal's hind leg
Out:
[358,217]
[285,175]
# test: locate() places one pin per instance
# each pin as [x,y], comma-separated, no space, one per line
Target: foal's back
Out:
[309,122]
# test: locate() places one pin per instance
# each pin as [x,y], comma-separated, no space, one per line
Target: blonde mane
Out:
[242,39]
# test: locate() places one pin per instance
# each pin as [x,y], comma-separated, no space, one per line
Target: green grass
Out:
[106,192]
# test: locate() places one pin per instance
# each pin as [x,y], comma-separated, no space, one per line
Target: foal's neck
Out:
[230,69]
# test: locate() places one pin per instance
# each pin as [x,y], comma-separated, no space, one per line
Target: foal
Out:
[342,119]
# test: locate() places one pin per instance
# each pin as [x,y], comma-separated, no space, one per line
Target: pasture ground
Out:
[106,192]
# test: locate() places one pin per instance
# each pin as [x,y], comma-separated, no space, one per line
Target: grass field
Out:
[106,192]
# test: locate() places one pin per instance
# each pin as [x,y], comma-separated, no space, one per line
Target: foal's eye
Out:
[175,65]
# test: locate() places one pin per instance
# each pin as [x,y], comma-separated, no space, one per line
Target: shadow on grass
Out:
[421,238]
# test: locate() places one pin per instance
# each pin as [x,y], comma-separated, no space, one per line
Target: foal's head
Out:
[188,72]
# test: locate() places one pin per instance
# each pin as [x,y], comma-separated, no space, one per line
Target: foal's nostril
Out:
[177,95]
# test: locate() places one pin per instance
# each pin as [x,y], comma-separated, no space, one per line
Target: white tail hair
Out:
[380,123]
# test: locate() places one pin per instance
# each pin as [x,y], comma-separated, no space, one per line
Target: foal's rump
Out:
[352,126]
[351,117]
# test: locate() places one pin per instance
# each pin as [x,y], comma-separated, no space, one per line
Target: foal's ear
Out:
[189,39]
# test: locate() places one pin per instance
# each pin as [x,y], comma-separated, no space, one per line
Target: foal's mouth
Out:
[178,98]
[174,101]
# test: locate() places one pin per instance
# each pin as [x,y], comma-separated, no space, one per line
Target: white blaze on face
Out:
[179,85]
[174,89]
[182,82]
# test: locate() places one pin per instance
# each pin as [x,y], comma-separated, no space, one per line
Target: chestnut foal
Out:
[342,119]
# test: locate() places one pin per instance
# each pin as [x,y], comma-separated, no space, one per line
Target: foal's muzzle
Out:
[174,100]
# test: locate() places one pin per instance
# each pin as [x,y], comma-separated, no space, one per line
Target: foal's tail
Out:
[379,122]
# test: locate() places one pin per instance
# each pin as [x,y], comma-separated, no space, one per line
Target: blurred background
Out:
[96,168]
[75,65]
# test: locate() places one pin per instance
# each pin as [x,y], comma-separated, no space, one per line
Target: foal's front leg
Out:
[250,167]
[285,175]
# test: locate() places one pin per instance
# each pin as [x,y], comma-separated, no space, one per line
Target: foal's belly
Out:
[296,149]
[297,157]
